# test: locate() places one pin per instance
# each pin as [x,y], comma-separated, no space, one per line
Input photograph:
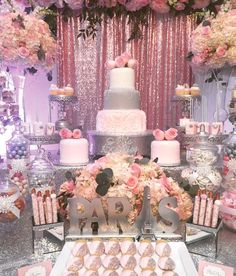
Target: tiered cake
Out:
[121,125]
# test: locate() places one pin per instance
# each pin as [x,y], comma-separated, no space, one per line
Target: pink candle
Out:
[209,210]
[54,207]
[35,207]
[49,206]
[215,215]
[196,207]
[202,209]
[41,210]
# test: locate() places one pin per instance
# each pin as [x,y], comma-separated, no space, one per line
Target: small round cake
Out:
[75,264]
[90,273]
[96,247]
[148,272]
[166,263]
[111,262]
[163,248]
[128,272]
[74,151]
[128,262]
[112,247]
[147,263]
[127,246]
[80,249]
[170,273]
[92,262]
[110,273]
[145,248]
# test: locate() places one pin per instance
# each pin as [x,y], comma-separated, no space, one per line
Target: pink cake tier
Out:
[74,151]
[121,121]
[167,152]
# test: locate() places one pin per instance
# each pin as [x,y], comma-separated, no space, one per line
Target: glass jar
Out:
[41,172]
[229,170]
[12,203]
[202,157]
[18,150]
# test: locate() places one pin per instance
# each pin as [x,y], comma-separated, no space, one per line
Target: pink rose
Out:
[197,59]
[120,62]
[159,6]
[135,191]
[111,64]
[67,186]
[23,52]
[135,170]
[94,169]
[77,133]
[206,30]
[132,182]
[171,134]
[126,56]
[179,6]
[132,63]
[158,134]
[166,183]
[65,133]
[220,51]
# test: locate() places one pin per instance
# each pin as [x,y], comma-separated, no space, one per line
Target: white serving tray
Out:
[180,254]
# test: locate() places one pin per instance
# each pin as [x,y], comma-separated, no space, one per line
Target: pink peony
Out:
[220,51]
[23,52]
[132,63]
[120,61]
[158,134]
[206,30]
[111,64]
[171,134]
[126,56]
[77,133]
[132,182]
[65,133]
[179,6]
[135,170]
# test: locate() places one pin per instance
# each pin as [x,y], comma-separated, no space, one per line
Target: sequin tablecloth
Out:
[16,245]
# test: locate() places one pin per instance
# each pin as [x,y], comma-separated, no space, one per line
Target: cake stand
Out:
[64,104]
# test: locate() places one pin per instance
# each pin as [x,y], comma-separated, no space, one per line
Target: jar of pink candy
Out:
[228,209]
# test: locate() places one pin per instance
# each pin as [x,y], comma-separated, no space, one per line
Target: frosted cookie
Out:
[110,273]
[92,262]
[128,246]
[75,264]
[128,272]
[112,247]
[147,263]
[145,248]
[148,273]
[111,262]
[96,247]
[128,262]
[162,248]
[166,263]
[80,248]
[91,273]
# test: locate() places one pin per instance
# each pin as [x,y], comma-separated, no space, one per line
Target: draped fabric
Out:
[161,54]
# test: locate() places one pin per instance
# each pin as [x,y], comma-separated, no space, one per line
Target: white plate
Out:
[180,254]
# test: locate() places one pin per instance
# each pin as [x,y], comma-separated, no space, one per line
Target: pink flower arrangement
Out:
[26,40]
[228,209]
[213,42]
[169,134]
[124,60]
[129,180]
[66,133]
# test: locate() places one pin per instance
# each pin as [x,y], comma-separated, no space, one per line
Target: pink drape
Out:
[162,64]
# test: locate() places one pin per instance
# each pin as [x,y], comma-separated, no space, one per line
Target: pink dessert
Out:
[128,262]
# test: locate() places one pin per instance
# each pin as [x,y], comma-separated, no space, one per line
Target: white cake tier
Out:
[74,151]
[122,77]
[121,121]
[168,152]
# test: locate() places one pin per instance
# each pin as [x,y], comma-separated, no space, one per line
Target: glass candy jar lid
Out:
[41,170]
[202,153]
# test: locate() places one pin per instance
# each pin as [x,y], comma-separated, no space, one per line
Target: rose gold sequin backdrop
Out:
[162,64]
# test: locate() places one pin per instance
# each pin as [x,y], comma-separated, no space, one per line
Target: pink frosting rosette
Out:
[171,134]
[77,133]
[65,133]
[158,134]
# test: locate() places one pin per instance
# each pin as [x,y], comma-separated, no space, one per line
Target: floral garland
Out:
[137,11]
[26,40]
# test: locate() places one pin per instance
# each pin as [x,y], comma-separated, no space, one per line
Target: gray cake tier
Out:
[102,143]
[124,98]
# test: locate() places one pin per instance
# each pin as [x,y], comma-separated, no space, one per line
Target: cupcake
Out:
[92,262]
[128,262]
[112,247]
[69,273]
[110,273]
[127,246]
[111,262]
[80,249]
[90,273]
[53,90]
[147,263]
[128,272]
[162,248]
[170,273]
[145,248]
[75,264]
[195,90]
[180,90]
[148,273]
[166,263]
[96,247]
[68,90]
